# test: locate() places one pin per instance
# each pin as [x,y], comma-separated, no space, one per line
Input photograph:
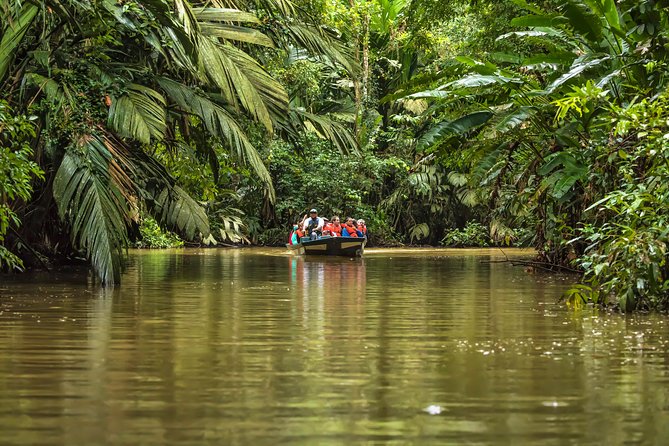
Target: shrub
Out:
[154,237]
[474,234]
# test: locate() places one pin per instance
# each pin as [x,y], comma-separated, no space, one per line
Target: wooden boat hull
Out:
[331,246]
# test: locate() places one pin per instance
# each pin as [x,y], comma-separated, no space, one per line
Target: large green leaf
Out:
[235,86]
[13,33]
[457,127]
[584,21]
[485,68]
[236,33]
[224,15]
[320,43]
[221,123]
[482,80]
[551,61]
[139,114]
[92,203]
[580,65]
[566,172]
[515,118]
[533,20]
[336,132]
[523,4]
[174,208]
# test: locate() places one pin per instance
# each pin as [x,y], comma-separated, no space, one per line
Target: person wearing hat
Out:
[313,225]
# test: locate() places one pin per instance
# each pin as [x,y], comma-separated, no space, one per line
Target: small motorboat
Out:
[330,246]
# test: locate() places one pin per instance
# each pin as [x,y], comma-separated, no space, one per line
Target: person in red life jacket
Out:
[362,228]
[348,229]
[334,227]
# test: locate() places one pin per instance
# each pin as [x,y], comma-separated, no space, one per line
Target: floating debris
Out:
[433,409]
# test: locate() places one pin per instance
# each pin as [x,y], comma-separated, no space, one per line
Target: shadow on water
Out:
[256,346]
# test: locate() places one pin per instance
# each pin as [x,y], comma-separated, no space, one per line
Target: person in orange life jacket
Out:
[295,235]
[362,228]
[334,227]
[326,228]
[313,225]
[348,229]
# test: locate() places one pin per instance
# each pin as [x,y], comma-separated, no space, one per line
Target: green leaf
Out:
[229,76]
[140,114]
[515,118]
[219,122]
[419,231]
[533,20]
[580,65]
[13,33]
[485,68]
[584,21]
[174,208]
[92,203]
[611,13]
[456,127]
[224,15]
[481,80]
[527,6]
[551,60]
[320,43]
[236,33]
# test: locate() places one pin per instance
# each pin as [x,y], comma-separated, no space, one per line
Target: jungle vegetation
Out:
[459,123]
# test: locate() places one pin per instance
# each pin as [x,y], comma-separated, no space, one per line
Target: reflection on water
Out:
[258,347]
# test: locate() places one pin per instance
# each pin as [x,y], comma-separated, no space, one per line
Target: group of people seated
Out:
[315,227]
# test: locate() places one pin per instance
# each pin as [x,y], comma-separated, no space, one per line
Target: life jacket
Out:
[350,229]
[363,229]
[334,230]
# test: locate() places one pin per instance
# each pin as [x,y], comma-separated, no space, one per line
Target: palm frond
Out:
[175,209]
[235,86]
[55,93]
[236,33]
[319,43]
[285,7]
[140,114]
[219,122]
[93,205]
[273,94]
[233,229]
[335,132]
[12,35]
[225,15]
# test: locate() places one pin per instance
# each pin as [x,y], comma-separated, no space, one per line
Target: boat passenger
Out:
[294,238]
[313,225]
[348,229]
[334,227]
[362,228]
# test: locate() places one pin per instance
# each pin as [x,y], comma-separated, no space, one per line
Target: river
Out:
[255,347]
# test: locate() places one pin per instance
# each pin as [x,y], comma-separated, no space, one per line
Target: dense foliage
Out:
[452,122]
[16,173]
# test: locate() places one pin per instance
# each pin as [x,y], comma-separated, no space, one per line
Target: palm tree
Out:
[109,80]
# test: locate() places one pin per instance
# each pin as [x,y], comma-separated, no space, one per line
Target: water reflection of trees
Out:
[243,347]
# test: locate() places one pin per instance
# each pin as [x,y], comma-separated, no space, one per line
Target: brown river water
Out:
[255,347]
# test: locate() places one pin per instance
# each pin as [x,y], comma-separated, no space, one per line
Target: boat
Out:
[330,246]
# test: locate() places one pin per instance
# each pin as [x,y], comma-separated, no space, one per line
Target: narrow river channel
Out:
[255,347]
